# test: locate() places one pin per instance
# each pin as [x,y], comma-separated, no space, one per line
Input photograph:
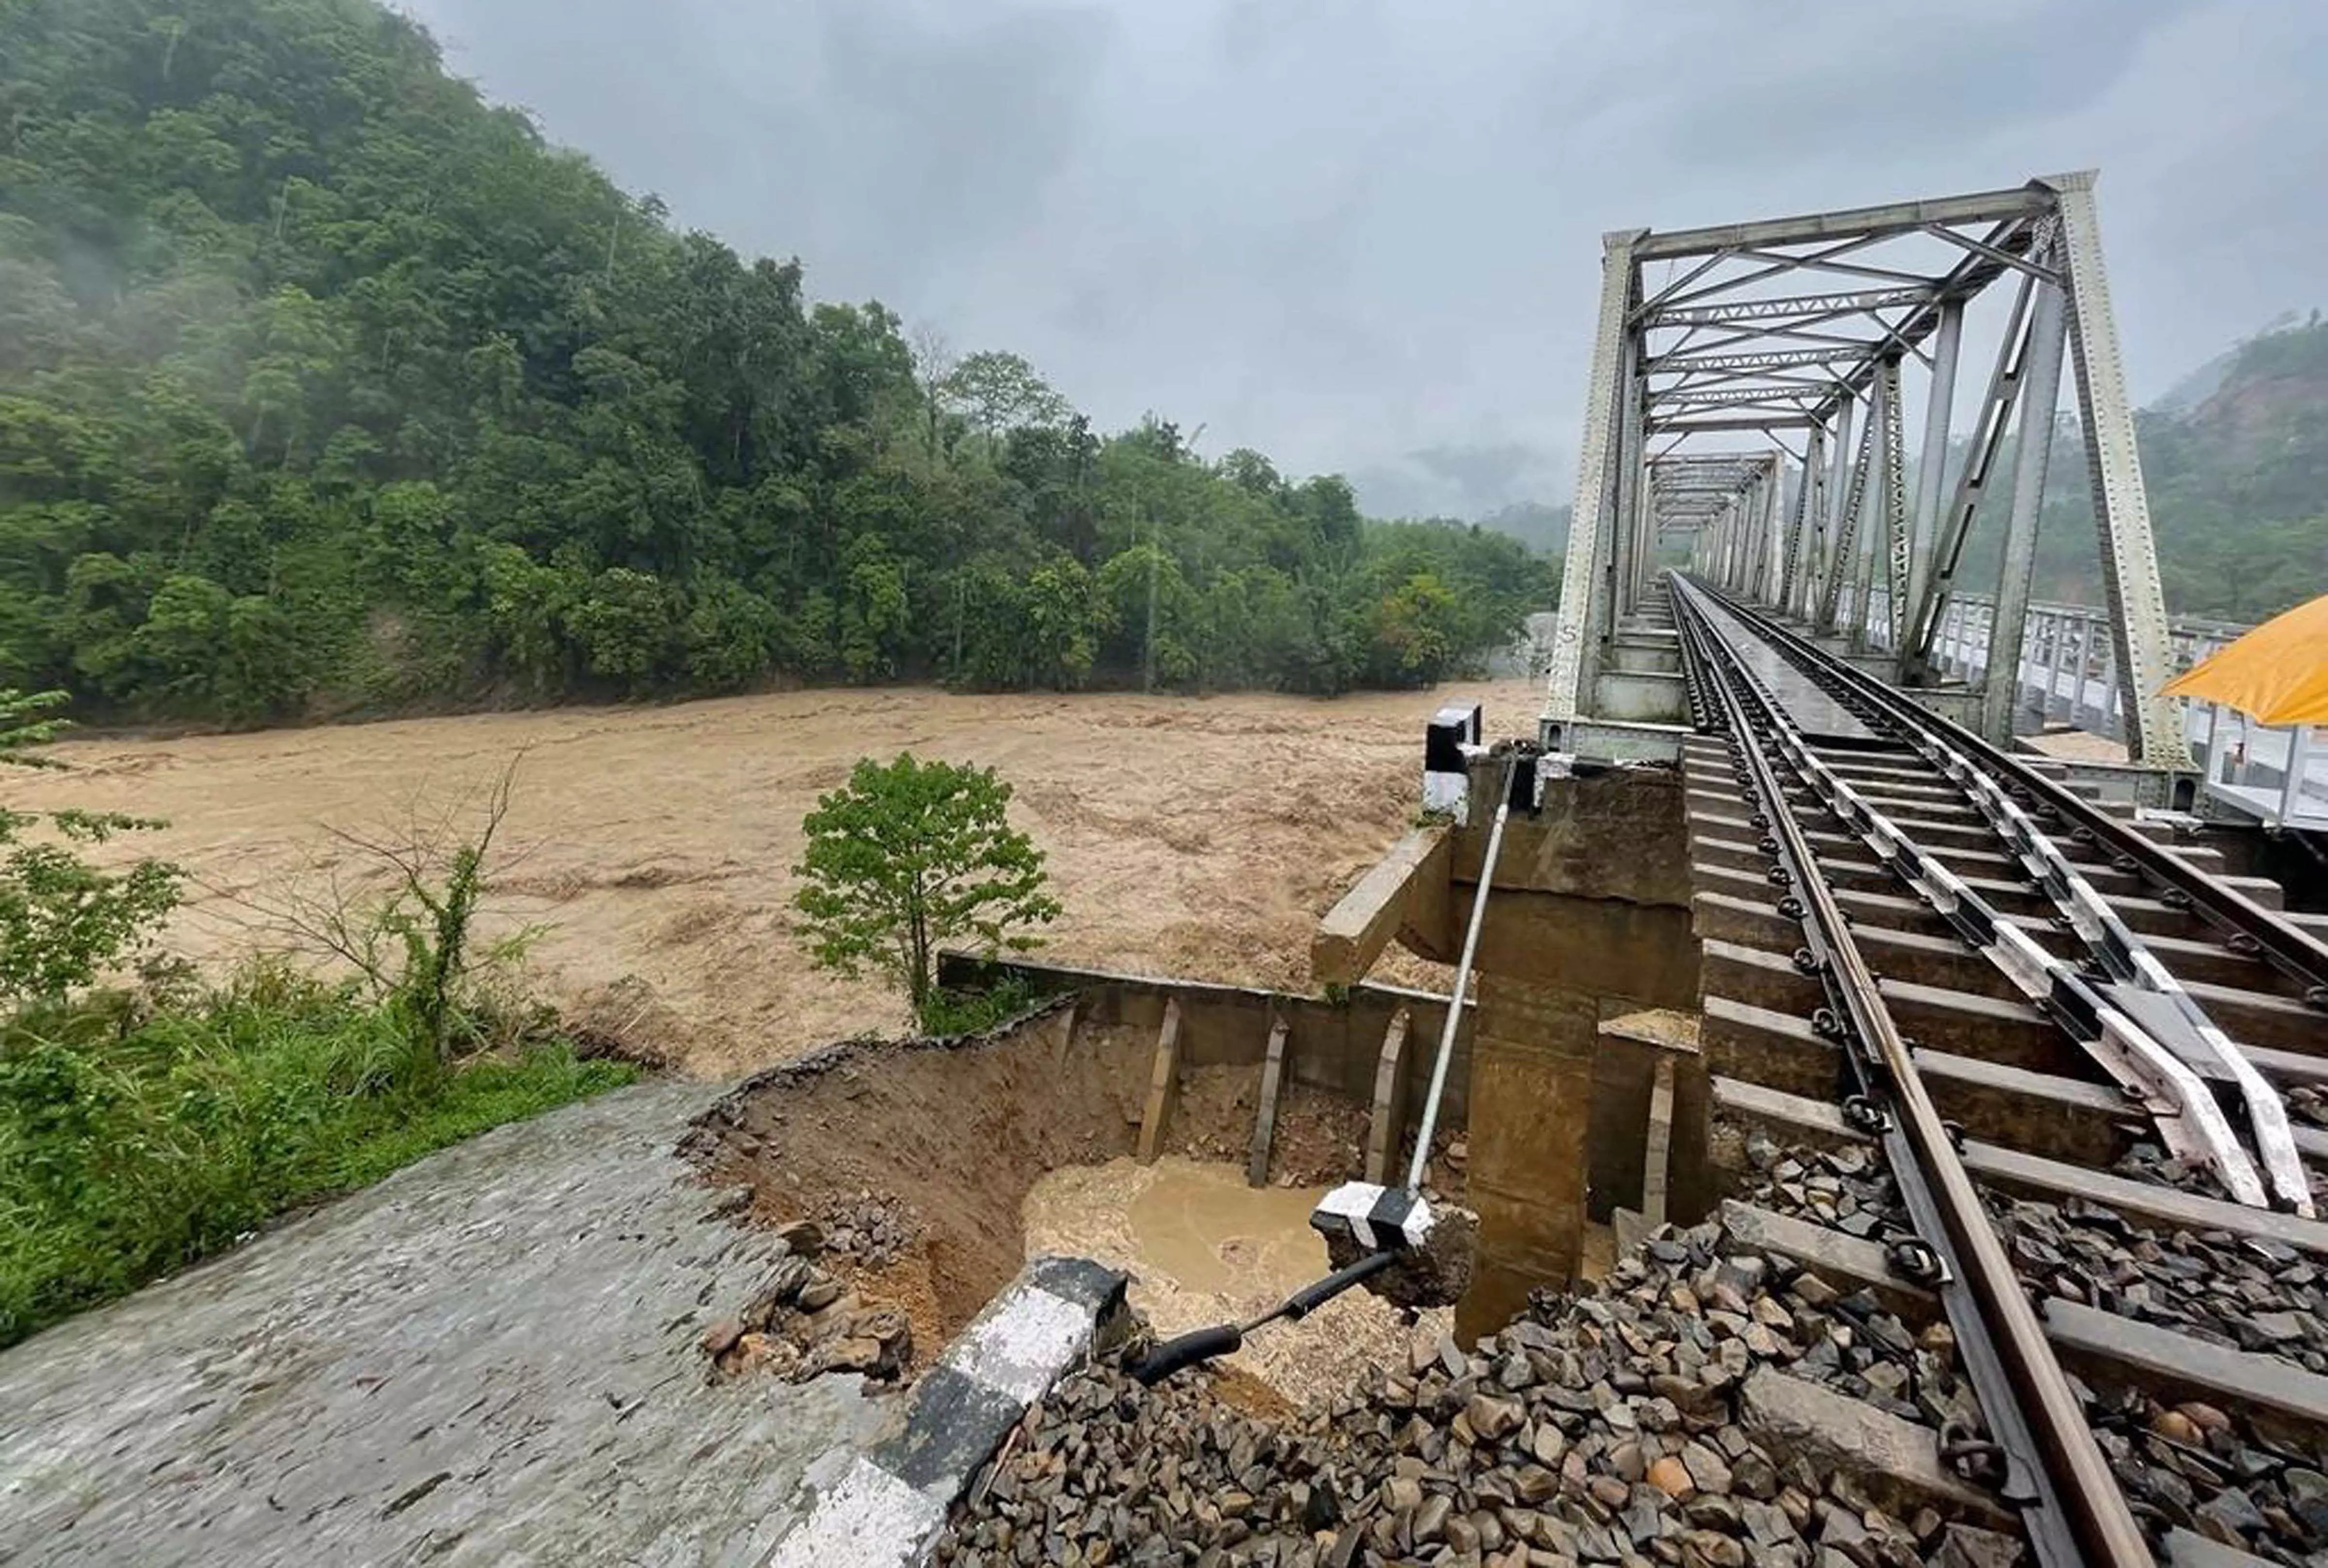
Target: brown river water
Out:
[1202,1248]
[653,847]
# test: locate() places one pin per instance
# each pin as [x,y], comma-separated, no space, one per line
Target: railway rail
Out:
[1916,940]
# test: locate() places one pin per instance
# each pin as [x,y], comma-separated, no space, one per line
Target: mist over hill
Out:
[329,386]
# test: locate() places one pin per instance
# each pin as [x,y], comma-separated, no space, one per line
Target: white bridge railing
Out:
[2069,673]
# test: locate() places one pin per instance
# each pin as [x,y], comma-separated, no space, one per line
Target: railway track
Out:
[2072,1048]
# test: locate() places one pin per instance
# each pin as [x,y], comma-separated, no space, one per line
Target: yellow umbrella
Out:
[2276,673]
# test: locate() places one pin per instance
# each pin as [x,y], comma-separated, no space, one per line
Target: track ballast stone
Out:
[1606,1426]
[2191,1464]
[1847,1340]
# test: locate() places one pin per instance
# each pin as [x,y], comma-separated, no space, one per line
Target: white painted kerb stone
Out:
[1022,1348]
[1009,1358]
[869,1520]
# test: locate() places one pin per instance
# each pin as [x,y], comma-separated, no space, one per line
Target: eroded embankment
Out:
[914,1161]
[943,1136]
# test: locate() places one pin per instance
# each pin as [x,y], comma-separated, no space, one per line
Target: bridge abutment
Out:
[1588,921]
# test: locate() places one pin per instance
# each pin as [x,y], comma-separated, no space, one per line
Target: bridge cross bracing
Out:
[1748,415]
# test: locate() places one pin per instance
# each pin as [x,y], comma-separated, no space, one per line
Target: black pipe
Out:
[1225,1339]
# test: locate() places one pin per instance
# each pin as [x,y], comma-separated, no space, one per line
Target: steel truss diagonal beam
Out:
[1989,435]
[1684,362]
[1715,345]
[1896,530]
[1847,527]
[1840,556]
[1827,258]
[1714,397]
[1991,252]
[2129,555]
[1789,308]
[1931,468]
[1749,421]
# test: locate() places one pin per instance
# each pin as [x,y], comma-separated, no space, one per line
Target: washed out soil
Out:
[1318,1140]
[914,1158]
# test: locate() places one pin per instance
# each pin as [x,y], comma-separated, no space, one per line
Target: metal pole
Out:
[2291,785]
[1462,983]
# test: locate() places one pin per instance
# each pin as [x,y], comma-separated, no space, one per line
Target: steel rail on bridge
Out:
[2073,1509]
[2137,1020]
[2250,926]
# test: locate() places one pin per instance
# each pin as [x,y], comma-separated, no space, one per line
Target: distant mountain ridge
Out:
[2239,478]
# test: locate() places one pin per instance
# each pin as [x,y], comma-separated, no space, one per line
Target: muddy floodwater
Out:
[1202,1247]
[652,847]
[1202,1226]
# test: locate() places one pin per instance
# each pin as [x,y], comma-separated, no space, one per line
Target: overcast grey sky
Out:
[1363,234]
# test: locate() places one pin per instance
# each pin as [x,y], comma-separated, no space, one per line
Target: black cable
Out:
[1225,1339]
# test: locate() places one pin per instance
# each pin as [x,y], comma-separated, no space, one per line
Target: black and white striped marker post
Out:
[888,1507]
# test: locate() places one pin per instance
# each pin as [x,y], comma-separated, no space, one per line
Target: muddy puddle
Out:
[1202,1226]
[1202,1247]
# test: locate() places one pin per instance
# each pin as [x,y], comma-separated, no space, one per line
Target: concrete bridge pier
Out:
[1588,924]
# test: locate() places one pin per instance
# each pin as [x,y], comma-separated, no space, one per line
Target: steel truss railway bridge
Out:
[1781,694]
[1820,414]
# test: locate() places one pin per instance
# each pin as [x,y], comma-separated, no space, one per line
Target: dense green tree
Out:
[1410,632]
[325,385]
[911,855]
[1000,391]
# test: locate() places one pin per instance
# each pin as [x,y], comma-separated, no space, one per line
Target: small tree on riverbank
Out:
[911,855]
[62,921]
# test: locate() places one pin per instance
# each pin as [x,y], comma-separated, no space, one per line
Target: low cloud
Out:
[1365,235]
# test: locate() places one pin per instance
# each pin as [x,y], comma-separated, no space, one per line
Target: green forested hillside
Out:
[326,386]
[2237,484]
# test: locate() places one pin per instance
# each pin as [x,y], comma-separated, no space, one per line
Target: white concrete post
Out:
[2291,788]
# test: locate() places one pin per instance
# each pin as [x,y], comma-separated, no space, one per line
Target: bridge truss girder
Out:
[1747,408]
